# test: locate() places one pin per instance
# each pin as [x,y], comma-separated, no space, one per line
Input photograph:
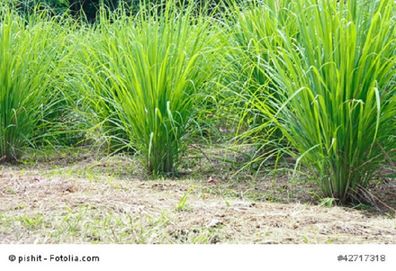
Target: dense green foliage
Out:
[314,79]
[29,54]
[89,9]
[333,94]
[143,75]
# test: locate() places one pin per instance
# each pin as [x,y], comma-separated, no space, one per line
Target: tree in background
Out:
[27,6]
[91,7]
[77,7]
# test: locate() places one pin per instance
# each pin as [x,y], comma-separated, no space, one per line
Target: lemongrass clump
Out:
[334,85]
[29,53]
[147,71]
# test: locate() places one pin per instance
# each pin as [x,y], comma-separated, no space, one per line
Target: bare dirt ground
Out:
[86,200]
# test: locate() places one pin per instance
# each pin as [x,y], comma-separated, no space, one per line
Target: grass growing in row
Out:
[314,78]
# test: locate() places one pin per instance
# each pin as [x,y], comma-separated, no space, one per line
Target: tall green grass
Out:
[335,93]
[29,53]
[253,33]
[316,75]
[146,72]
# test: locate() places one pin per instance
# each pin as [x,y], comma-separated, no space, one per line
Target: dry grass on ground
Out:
[80,199]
